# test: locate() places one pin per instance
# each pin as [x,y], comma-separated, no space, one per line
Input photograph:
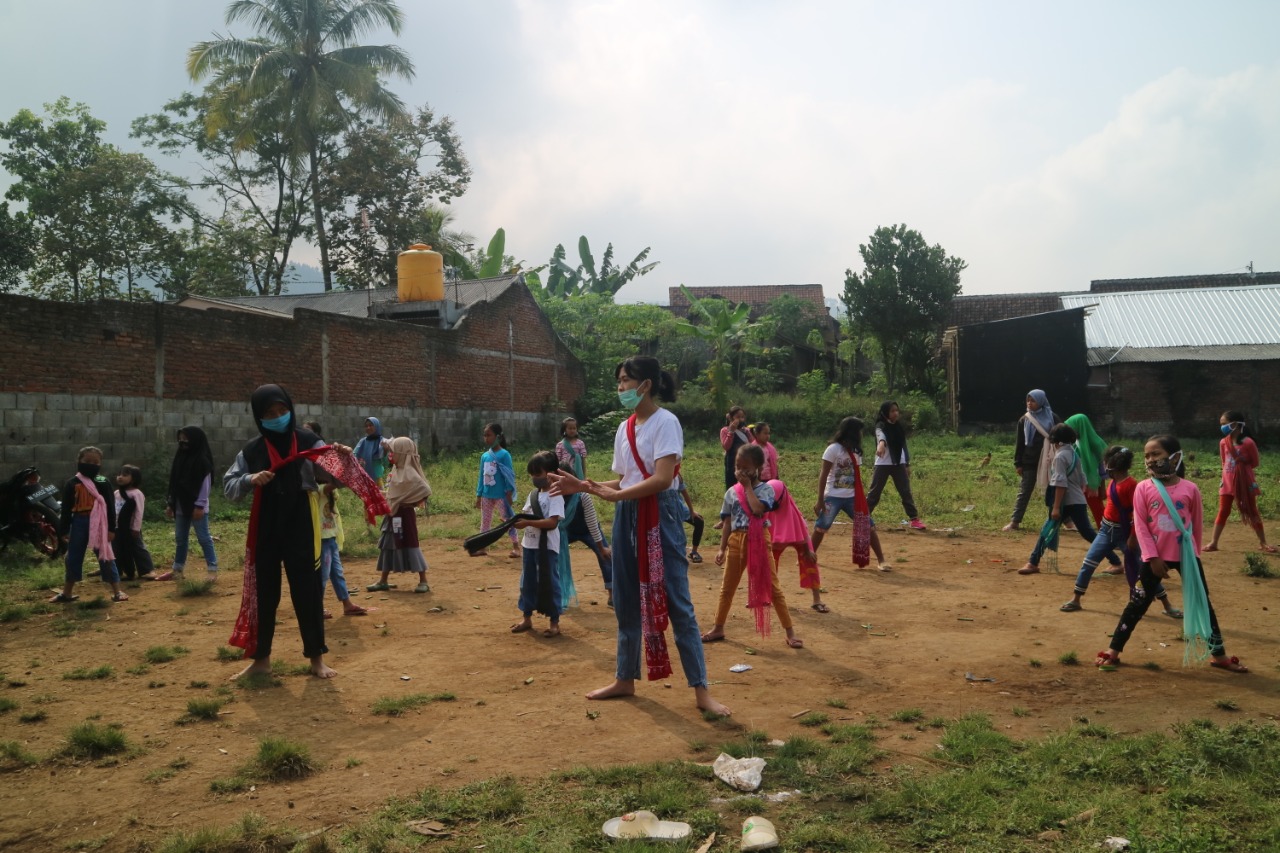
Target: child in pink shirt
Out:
[760,433]
[1160,539]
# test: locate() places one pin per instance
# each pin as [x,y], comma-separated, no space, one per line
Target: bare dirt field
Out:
[905,639]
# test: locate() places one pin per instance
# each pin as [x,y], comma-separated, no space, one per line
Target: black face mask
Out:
[88,470]
[541,483]
[184,445]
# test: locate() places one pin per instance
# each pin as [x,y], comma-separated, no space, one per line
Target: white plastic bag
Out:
[742,773]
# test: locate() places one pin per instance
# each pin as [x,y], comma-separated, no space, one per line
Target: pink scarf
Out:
[861,522]
[653,590]
[759,583]
[346,469]
[99,534]
[789,528]
[1244,487]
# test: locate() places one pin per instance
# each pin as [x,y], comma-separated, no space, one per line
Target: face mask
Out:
[1163,469]
[184,445]
[88,469]
[1226,429]
[629,398]
[279,424]
[541,483]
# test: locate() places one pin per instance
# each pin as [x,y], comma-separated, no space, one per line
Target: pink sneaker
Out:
[917,524]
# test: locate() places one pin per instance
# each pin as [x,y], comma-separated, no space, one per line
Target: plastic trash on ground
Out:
[742,773]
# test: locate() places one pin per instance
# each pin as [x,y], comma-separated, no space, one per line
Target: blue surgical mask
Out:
[1226,429]
[280,424]
[629,398]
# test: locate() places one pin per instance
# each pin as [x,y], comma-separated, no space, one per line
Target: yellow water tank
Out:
[420,274]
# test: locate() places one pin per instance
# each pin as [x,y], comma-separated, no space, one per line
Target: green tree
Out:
[17,248]
[305,71]
[901,298]
[727,328]
[608,278]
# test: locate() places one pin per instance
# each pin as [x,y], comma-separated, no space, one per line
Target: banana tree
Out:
[726,328]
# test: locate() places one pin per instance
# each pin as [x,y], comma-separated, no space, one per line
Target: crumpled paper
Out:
[742,773]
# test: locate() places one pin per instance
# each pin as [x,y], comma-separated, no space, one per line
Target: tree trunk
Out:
[321,238]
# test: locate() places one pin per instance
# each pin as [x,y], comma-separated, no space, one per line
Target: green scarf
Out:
[1091,447]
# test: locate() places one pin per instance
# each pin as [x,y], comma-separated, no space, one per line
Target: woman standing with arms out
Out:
[1239,457]
[892,461]
[1029,456]
[732,436]
[650,571]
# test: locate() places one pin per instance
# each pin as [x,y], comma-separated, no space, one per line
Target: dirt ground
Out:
[905,639]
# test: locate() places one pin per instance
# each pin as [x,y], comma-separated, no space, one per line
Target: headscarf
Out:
[369,447]
[189,469]
[1042,416]
[287,485]
[408,485]
[1091,448]
[894,435]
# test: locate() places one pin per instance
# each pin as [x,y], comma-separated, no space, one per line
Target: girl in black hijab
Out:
[892,460]
[190,478]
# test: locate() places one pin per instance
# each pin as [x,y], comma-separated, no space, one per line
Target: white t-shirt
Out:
[888,459]
[841,479]
[657,437]
[552,507]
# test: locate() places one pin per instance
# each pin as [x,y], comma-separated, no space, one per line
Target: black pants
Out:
[1025,489]
[697,524]
[132,557]
[1144,592]
[880,474]
[290,541]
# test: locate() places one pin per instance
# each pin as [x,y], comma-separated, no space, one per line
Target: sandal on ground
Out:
[1173,613]
[884,567]
[1231,664]
[795,642]
[356,611]
[378,587]
[63,598]
[1106,657]
[422,587]
[695,557]
[1071,606]
[707,638]
[515,554]
[520,628]
[119,596]
[820,607]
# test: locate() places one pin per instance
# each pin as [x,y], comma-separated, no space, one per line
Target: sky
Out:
[750,142]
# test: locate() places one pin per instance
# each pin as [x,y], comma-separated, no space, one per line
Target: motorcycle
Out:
[29,512]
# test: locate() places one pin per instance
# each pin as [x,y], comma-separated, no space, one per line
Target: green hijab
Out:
[1091,448]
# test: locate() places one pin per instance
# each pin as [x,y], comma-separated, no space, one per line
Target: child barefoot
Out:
[540,576]
[399,549]
[88,521]
[746,547]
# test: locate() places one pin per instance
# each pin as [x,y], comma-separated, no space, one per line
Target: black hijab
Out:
[288,480]
[190,466]
[894,435]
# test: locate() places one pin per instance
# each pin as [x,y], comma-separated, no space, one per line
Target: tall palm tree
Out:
[304,71]
[436,225]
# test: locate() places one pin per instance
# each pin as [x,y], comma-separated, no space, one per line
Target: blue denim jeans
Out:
[1111,537]
[331,569]
[626,590]
[529,582]
[831,508]
[78,549]
[182,525]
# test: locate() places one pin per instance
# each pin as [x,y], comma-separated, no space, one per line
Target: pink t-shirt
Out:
[770,469]
[1156,530]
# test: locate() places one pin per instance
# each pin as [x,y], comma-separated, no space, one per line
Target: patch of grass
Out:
[229,785]
[936,723]
[229,654]
[1019,711]
[168,772]
[193,587]
[95,603]
[202,709]
[813,719]
[13,755]
[257,681]
[1258,566]
[281,759]
[14,682]
[14,613]
[389,706]
[1226,705]
[199,685]
[63,627]
[353,762]
[44,699]
[37,716]
[907,715]
[279,667]
[1034,662]
[164,654]
[138,669]
[837,703]
[1069,659]
[85,674]
[7,705]
[90,740]
[250,833]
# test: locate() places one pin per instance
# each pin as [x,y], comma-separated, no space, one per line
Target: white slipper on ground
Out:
[645,824]
[758,834]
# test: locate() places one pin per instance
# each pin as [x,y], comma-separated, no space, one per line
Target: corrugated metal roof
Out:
[1180,319]
[1231,352]
[355,303]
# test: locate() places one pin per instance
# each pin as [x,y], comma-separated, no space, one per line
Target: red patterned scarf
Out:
[1244,487]
[861,521]
[347,470]
[759,582]
[653,591]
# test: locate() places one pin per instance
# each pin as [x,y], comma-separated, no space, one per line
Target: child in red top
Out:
[1161,544]
[1116,531]
[1239,458]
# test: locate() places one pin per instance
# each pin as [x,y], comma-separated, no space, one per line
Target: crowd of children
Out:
[1144,529]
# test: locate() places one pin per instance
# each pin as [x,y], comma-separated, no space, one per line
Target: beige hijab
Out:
[407,484]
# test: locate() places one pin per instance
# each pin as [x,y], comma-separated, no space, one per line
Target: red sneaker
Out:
[917,524]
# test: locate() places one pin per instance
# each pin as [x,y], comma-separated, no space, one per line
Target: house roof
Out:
[352,303]
[757,296]
[1182,282]
[1193,324]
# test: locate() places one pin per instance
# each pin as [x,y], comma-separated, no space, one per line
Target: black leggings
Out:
[1144,592]
[698,524]
[292,543]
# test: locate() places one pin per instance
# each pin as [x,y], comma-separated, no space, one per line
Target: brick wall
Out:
[125,376]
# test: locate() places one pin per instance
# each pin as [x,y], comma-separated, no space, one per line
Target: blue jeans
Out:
[831,508]
[1079,513]
[1111,537]
[529,582]
[78,549]
[331,568]
[182,525]
[626,590]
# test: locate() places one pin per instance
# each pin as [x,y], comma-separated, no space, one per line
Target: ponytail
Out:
[645,367]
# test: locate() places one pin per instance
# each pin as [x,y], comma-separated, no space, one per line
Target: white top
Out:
[888,459]
[841,479]
[552,507]
[658,437]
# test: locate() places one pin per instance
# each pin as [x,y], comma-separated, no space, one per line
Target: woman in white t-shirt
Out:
[838,486]
[650,570]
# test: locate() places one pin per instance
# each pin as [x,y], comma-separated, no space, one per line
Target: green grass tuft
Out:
[13,755]
[37,716]
[281,759]
[90,740]
[7,704]
[1069,659]
[84,674]
[1258,566]
[192,588]
[389,706]
[907,715]
[813,719]
[164,654]
[202,709]
[229,654]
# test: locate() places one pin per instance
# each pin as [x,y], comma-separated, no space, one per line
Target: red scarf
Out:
[1244,488]
[759,583]
[861,521]
[653,592]
[346,469]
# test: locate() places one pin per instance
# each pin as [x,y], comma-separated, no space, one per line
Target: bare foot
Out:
[1010,527]
[553,631]
[1212,546]
[521,627]
[714,635]
[619,688]
[885,567]
[320,670]
[354,610]
[711,706]
[258,667]
[1029,569]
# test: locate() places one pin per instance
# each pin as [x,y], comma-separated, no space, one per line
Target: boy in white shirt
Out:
[540,578]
